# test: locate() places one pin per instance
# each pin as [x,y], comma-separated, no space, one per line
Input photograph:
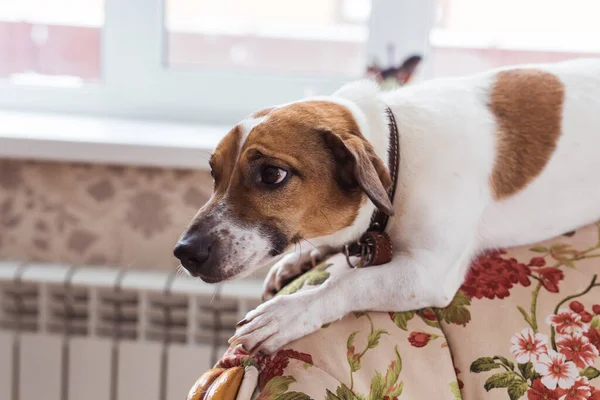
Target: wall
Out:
[96,214]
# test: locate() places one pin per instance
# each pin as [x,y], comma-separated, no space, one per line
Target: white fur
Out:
[242,246]
[247,125]
[445,211]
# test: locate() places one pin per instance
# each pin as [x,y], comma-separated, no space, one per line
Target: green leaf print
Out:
[315,276]
[353,361]
[350,342]
[516,389]
[527,371]
[276,386]
[456,312]
[373,339]
[484,364]
[590,373]
[505,361]
[499,380]
[342,393]
[455,390]
[330,396]
[539,249]
[293,396]
[401,319]
[393,371]
[377,387]
[396,390]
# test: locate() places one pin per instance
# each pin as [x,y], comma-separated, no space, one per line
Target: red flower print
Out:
[586,317]
[517,272]
[549,278]
[296,355]
[419,339]
[537,262]
[527,346]
[596,309]
[581,390]
[492,276]
[272,366]
[233,357]
[593,335]
[427,314]
[460,383]
[556,371]
[566,321]
[540,392]
[578,349]
[576,306]
[595,394]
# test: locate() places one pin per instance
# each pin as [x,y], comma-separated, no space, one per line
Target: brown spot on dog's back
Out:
[527,104]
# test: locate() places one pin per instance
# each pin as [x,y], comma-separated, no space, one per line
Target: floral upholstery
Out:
[525,325]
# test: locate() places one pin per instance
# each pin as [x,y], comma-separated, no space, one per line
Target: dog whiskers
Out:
[309,242]
[181,272]
[299,255]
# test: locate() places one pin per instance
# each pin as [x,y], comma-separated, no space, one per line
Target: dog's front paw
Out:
[276,323]
[289,267]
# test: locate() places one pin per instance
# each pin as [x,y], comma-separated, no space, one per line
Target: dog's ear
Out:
[408,68]
[357,164]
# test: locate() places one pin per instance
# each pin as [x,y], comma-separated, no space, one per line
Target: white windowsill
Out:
[56,137]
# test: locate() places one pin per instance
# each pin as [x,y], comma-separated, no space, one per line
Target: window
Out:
[314,37]
[185,60]
[218,61]
[50,42]
[474,35]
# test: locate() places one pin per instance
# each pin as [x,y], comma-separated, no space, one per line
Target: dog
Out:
[503,158]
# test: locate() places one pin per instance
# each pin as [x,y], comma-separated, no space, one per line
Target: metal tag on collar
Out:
[373,248]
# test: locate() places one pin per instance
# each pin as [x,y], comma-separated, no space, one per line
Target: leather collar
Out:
[375,246]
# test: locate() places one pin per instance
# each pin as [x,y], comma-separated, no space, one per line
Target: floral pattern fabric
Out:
[524,325]
[534,328]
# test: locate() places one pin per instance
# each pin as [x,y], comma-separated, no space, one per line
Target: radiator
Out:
[75,333]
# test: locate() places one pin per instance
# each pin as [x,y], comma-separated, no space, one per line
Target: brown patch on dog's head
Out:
[301,172]
[263,113]
[228,149]
[527,104]
[319,143]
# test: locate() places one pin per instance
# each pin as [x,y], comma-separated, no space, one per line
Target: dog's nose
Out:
[193,252]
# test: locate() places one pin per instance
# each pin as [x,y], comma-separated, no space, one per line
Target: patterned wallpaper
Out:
[95,214]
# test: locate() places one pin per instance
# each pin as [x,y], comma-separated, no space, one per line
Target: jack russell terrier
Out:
[503,158]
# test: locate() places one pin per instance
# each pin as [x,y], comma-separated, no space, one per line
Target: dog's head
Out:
[289,173]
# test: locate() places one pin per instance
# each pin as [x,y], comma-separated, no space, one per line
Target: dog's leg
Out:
[406,283]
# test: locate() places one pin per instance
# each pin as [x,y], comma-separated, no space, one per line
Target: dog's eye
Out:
[271,175]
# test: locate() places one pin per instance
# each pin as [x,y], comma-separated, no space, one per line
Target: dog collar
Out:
[375,246]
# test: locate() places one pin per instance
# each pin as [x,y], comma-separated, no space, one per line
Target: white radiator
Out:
[107,334]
